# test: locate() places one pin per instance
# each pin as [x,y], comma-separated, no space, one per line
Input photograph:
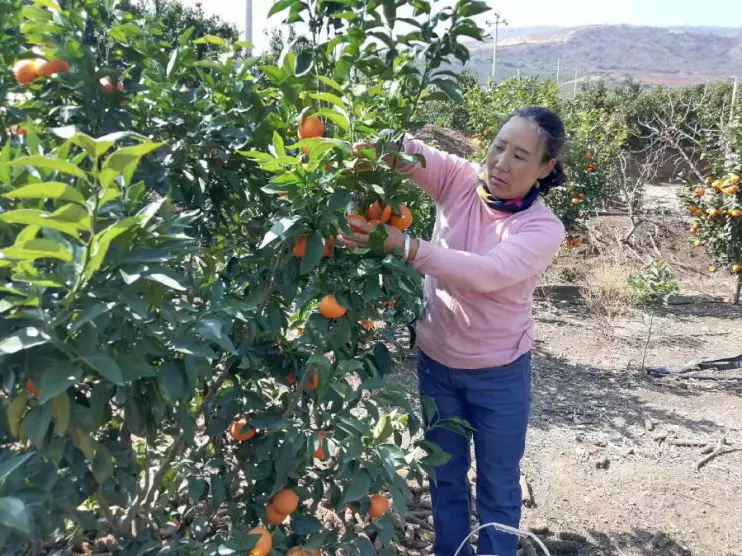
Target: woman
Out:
[493,238]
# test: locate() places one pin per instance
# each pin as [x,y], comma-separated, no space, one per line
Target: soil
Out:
[605,458]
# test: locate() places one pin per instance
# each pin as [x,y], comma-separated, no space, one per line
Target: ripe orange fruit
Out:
[311,126]
[709,180]
[17,130]
[319,453]
[581,195]
[285,501]
[588,155]
[48,68]
[700,192]
[734,180]
[736,268]
[355,220]
[24,72]
[264,544]
[312,383]
[379,505]
[240,431]
[291,379]
[736,213]
[273,516]
[32,389]
[403,220]
[108,85]
[486,132]
[367,324]
[576,201]
[713,269]
[329,243]
[300,247]
[375,212]
[698,243]
[330,308]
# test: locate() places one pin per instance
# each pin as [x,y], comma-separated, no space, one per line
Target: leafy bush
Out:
[169,358]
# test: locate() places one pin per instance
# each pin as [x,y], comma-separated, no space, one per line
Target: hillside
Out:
[654,55]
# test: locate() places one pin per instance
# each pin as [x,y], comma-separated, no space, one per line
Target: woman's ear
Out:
[547,168]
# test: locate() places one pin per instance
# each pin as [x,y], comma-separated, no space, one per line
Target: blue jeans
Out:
[496,403]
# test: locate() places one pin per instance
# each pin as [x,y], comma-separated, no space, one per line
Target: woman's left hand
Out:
[362,240]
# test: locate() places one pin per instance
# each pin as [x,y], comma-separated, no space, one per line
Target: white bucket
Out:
[504,529]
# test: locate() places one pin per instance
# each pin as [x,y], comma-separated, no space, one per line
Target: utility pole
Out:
[497,22]
[248,21]
[574,92]
[734,99]
[557,75]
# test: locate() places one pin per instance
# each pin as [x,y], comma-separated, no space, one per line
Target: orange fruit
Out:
[403,220]
[24,72]
[375,212]
[355,220]
[700,192]
[576,201]
[273,516]
[486,132]
[32,389]
[709,180]
[588,155]
[713,269]
[285,501]
[698,243]
[48,68]
[291,379]
[736,213]
[367,324]
[240,431]
[330,308]
[264,544]
[17,130]
[736,268]
[311,126]
[312,383]
[734,180]
[300,247]
[108,85]
[581,195]
[319,453]
[329,243]
[379,505]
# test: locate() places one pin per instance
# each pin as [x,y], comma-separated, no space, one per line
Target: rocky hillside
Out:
[654,55]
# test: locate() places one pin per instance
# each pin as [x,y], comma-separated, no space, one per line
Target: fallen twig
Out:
[717,450]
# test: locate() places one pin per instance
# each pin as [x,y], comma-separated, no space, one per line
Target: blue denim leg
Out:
[498,404]
[450,494]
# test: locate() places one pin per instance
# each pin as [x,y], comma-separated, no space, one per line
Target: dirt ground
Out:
[613,451]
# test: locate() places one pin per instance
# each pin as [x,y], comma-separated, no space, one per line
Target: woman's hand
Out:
[362,240]
[390,159]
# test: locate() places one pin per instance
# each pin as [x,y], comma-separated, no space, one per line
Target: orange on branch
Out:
[240,430]
[264,544]
[285,501]
[330,308]
[25,71]
[401,220]
[311,126]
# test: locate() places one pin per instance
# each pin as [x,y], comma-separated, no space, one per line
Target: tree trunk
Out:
[737,289]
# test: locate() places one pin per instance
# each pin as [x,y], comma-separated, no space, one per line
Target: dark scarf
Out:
[503,205]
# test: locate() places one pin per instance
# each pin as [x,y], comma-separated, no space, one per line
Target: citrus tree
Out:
[716,209]
[188,363]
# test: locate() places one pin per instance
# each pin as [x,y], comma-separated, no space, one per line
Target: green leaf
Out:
[36,423]
[278,144]
[171,383]
[25,338]
[33,217]
[451,88]
[198,489]
[278,229]
[61,413]
[39,161]
[257,155]
[12,464]
[358,486]
[218,491]
[336,116]
[121,158]
[210,39]
[106,367]
[304,63]
[470,8]
[47,190]
[57,378]
[172,63]
[102,242]
[14,514]
[329,97]
[167,278]
[102,464]
[91,312]
[330,82]
[281,5]
[305,525]
[93,147]
[315,250]
[383,428]
[190,346]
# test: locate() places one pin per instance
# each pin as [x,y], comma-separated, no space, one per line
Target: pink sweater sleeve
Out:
[440,172]
[527,253]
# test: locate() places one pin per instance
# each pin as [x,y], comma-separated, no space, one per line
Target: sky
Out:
[528,13]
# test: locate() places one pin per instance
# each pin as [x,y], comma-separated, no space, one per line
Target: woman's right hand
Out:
[388,158]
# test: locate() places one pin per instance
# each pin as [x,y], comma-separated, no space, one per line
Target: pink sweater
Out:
[481,267]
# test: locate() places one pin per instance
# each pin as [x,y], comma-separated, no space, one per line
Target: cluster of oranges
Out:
[27,71]
[284,503]
[705,204]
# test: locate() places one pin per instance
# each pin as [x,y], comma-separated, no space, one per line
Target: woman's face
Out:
[515,159]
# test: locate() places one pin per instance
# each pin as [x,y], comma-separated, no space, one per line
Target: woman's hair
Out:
[554,137]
